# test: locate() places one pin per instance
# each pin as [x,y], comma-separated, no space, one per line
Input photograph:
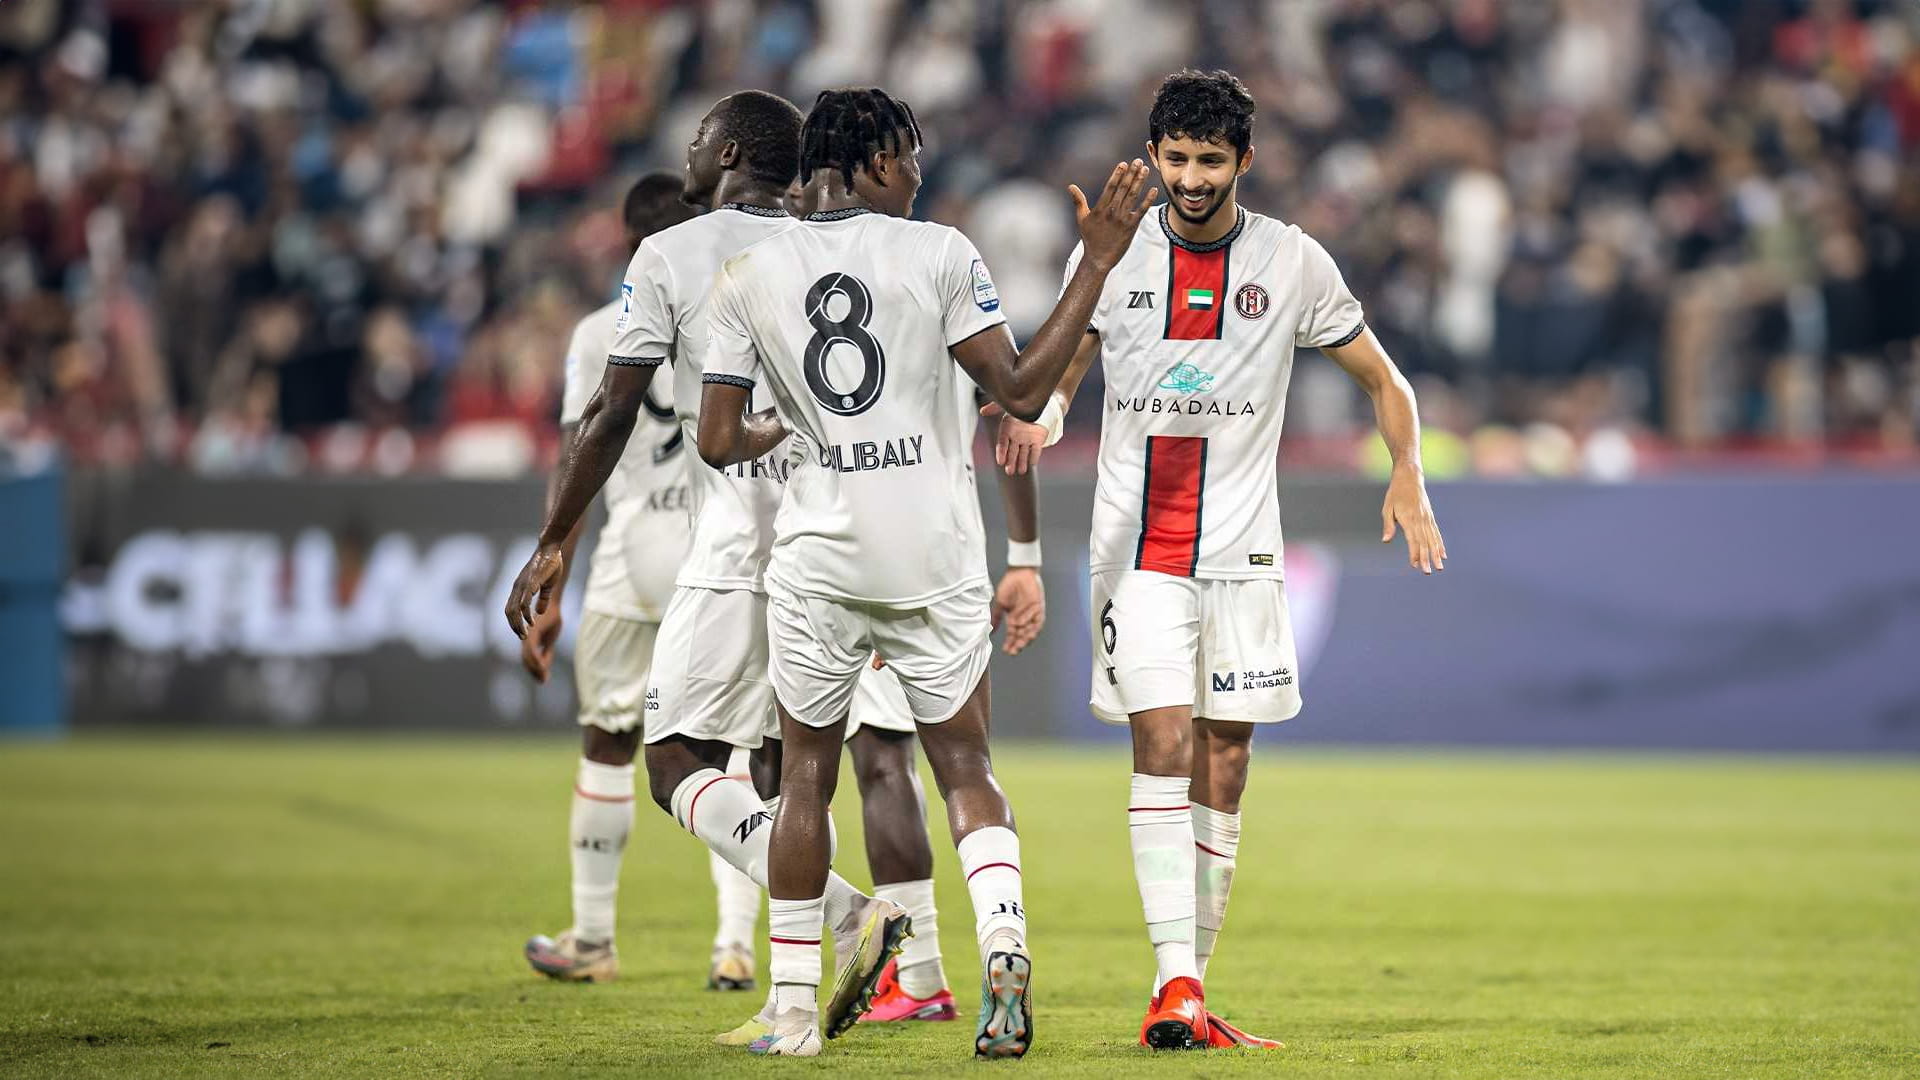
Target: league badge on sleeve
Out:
[985,296]
[626,308]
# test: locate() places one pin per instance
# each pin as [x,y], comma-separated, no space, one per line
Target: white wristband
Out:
[1023,553]
[1053,418]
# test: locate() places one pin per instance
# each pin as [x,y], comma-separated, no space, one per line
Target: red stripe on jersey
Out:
[1205,271]
[1170,504]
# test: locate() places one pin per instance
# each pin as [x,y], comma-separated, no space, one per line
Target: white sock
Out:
[739,904]
[1160,822]
[921,975]
[990,859]
[726,815]
[793,928]
[1216,839]
[597,832]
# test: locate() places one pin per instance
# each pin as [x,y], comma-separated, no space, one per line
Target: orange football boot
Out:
[892,1002]
[1176,1018]
[1221,1035]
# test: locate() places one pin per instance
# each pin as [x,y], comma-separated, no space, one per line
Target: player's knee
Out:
[1229,743]
[661,789]
[881,763]
[664,777]
[959,773]
[605,747]
[1163,752]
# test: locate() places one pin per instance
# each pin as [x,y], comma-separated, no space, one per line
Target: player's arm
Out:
[643,339]
[536,649]
[728,433]
[1398,417]
[1022,381]
[585,463]
[1020,600]
[1017,446]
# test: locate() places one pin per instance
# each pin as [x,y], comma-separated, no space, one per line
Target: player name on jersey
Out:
[866,456]
[766,467]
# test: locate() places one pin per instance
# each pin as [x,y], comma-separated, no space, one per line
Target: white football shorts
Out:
[821,646]
[880,702]
[1224,647]
[710,669]
[610,662]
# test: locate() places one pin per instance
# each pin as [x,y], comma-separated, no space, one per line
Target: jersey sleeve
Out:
[644,332]
[968,300]
[1330,315]
[731,356]
[580,383]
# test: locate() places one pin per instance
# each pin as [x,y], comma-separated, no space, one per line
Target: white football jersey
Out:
[666,292]
[1196,342]
[848,320]
[630,575]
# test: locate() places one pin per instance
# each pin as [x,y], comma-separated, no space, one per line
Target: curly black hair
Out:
[653,203]
[847,127]
[766,127]
[1211,106]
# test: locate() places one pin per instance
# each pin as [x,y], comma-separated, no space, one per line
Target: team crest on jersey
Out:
[985,296]
[1251,301]
[626,308]
[1186,379]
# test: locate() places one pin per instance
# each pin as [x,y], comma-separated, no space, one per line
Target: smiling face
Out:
[1199,177]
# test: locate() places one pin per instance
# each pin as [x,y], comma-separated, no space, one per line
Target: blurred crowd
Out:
[286,234]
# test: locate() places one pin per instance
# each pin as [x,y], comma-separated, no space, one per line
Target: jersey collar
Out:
[756,211]
[841,214]
[1174,238]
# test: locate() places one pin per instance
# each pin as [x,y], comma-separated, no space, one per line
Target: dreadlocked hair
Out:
[847,127]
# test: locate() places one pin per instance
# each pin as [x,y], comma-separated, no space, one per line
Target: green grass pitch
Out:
[355,907]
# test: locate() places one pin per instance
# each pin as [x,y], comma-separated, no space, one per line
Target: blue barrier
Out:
[1723,612]
[33,558]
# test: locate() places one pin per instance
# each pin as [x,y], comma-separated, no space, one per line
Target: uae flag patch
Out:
[1200,299]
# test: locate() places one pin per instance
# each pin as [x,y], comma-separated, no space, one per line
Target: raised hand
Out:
[1107,227]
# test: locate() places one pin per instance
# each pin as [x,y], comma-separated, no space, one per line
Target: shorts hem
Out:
[700,734]
[1248,719]
[1122,719]
[1125,715]
[613,724]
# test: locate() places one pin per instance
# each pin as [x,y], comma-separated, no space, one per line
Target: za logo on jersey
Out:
[985,296]
[1251,301]
[1186,379]
[626,308]
[1139,298]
